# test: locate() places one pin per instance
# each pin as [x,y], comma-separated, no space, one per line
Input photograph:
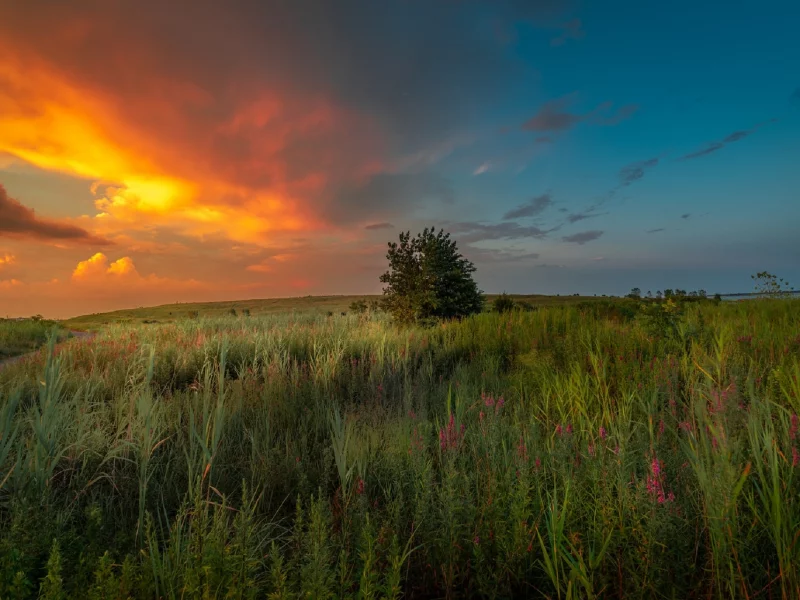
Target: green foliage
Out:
[20,337]
[52,586]
[662,318]
[359,306]
[771,285]
[429,279]
[503,303]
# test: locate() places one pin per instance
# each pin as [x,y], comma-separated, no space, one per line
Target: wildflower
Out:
[538,463]
[476,540]
[360,486]
[661,427]
[412,414]
[602,432]
[500,402]
[794,427]
[450,437]
[558,429]
[655,467]
[481,416]
[488,400]
[569,428]
[522,450]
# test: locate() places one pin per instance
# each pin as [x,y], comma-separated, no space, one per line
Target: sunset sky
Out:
[161,151]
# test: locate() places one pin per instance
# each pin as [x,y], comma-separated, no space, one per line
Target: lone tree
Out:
[429,279]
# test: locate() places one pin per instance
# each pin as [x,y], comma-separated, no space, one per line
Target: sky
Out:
[156,152]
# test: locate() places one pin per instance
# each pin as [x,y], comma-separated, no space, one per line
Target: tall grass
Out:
[568,452]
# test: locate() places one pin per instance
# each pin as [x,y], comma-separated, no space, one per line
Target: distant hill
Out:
[320,304]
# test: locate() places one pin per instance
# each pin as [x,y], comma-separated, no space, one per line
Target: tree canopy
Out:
[429,279]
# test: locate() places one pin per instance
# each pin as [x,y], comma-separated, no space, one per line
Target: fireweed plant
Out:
[567,452]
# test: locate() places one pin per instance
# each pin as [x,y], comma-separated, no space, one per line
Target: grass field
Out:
[581,451]
[320,305]
[21,337]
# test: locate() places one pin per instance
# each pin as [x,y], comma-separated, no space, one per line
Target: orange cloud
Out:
[164,157]
[6,260]
[98,266]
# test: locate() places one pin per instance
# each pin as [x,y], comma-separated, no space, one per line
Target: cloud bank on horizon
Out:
[216,151]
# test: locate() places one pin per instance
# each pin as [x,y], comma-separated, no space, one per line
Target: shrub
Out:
[503,303]
[358,306]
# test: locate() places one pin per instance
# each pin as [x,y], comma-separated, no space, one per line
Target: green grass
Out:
[581,451]
[320,305]
[21,337]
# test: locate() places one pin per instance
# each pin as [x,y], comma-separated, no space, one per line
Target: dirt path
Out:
[79,335]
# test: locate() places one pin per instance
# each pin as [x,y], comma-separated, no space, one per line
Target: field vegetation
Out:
[600,449]
[21,337]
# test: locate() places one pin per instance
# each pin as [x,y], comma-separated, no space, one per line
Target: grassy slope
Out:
[335,304]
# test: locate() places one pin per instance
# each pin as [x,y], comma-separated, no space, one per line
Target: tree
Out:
[635,293]
[503,303]
[770,285]
[429,279]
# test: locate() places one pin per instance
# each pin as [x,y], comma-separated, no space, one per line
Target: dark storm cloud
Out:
[20,221]
[376,226]
[555,116]
[686,215]
[535,206]
[419,68]
[582,237]
[386,195]
[635,171]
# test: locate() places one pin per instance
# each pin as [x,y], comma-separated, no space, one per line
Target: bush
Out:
[503,303]
[358,306]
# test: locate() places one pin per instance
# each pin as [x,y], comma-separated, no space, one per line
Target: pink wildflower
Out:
[794,427]
[558,429]
[476,540]
[569,428]
[450,437]
[602,432]
[360,486]
[538,463]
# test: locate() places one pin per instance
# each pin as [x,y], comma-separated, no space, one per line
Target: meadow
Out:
[335,305]
[21,337]
[605,449]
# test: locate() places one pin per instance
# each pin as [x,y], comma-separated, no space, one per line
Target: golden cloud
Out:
[243,175]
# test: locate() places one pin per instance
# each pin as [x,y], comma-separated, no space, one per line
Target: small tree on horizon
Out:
[429,279]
